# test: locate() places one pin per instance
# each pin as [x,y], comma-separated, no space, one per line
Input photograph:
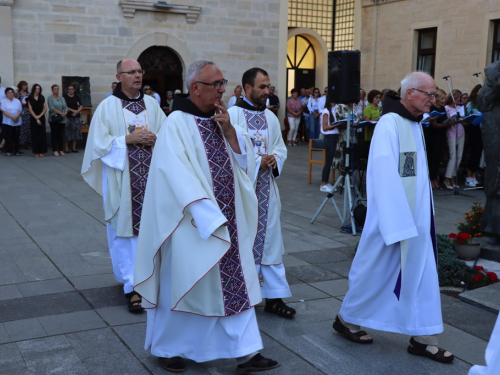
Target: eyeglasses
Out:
[429,95]
[132,72]
[317,92]
[147,89]
[216,85]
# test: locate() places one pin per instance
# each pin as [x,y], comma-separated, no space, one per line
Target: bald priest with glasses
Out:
[116,164]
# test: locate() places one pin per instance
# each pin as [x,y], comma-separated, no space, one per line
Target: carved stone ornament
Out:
[130,7]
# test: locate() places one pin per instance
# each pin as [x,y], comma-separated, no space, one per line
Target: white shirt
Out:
[13,108]
[157,97]
[325,112]
[313,104]
[2,93]
[321,103]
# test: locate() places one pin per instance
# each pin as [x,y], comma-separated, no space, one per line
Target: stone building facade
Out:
[463,43]
[44,40]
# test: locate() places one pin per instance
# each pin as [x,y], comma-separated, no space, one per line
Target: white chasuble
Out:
[375,300]
[265,132]
[114,118]
[214,276]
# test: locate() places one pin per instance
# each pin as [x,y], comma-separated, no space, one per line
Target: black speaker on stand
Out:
[344,76]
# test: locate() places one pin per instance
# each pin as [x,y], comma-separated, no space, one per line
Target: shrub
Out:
[451,270]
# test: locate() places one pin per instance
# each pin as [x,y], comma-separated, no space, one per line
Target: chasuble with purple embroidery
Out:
[194,170]
[264,130]
[114,118]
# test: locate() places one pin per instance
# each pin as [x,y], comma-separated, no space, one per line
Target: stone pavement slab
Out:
[62,312]
[483,296]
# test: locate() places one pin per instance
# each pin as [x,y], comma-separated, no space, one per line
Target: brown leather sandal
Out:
[417,348]
[346,332]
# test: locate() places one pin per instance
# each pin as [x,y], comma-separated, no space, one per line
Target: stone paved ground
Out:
[61,312]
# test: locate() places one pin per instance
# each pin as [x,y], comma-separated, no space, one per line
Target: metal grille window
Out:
[495,50]
[344,25]
[313,14]
[426,52]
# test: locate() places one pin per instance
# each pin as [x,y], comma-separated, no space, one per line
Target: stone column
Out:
[6,43]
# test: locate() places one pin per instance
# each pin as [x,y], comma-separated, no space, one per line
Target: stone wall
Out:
[54,38]
[389,39]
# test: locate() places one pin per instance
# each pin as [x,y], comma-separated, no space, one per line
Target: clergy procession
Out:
[192,212]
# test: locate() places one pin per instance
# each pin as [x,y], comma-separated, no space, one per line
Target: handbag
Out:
[56,117]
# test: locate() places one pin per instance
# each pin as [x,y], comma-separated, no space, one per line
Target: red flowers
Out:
[478,277]
[493,276]
[461,238]
[482,277]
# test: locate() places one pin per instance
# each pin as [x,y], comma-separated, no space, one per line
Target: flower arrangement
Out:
[470,228]
[472,223]
[480,277]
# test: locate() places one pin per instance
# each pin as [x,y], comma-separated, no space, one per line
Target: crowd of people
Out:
[23,119]
[310,116]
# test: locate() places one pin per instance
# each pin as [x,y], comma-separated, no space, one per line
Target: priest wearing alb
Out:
[194,268]
[116,164]
[264,129]
[393,281]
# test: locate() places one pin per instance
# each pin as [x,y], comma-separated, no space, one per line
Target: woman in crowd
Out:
[330,134]
[22,95]
[147,91]
[169,101]
[58,110]
[372,112]
[313,106]
[294,108]
[37,108]
[233,99]
[12,110]
[436,140]
[474,137]
[73,128]
[456,137]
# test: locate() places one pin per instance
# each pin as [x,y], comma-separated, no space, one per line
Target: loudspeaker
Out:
[344,76]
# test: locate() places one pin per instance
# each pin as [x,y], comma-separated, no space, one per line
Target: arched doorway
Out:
[163,69]
[301,63]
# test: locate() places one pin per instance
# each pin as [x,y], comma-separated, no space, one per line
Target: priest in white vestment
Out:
[264,129]
[393,281]
[194,266]
[116,164]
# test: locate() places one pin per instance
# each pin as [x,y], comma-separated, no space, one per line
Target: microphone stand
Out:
[479,79]
[457,115]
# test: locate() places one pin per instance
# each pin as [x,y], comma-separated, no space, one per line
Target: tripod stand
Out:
[346,176]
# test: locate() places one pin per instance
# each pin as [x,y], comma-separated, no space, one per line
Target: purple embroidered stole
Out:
[234,290]
[257,121]
[139,160]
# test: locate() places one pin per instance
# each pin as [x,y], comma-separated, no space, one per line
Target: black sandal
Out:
[278,307]
[417,348]
[134,306]
[346,332]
